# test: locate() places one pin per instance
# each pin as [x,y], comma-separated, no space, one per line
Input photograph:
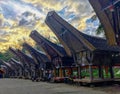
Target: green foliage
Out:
[6,55]
[100,29]
[117,72]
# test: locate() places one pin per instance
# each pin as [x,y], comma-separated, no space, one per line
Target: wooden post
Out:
[54,71]
[61,73]
[64,74]
[100,72]
[79,72]
[71,71]
[91,72]
[80,68]
[39,73]
[111,71]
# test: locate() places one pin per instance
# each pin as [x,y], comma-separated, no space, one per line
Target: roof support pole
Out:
[21,72]
[100,71]
[111,71]
[79,72]
[60,70]
[42,73]
[16,72]
[91,72]
[31,73]
[57,71]
[38,72]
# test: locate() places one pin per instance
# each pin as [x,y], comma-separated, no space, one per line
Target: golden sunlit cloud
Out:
[19,18]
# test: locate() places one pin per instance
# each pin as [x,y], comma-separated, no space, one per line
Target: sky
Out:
[19,17]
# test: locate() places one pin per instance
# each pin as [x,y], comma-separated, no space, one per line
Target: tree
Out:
[100,30]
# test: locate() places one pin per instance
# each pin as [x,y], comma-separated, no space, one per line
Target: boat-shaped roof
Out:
[51,49]
[16,62]
[7,64]
[16,54]
[27,59]
[73,40]
[24,58]
[39,55]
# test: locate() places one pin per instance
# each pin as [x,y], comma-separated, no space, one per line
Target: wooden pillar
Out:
[79,72]
[111,71]
[71,71]
[91,72]
[64,74]
[100,72]
[54,71]
[39,73]
[22,72]
[60,71]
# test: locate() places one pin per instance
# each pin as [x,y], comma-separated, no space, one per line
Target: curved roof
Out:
[51,49]
[14,52]
[27,59]
[16,62]
[74,39]
[7,64]
[39,55]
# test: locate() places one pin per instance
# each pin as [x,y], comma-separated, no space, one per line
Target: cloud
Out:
[3,40]
[14,8]
[19,17]
[74,11]
[1,20]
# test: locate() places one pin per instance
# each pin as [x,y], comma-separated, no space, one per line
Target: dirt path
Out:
[18,86]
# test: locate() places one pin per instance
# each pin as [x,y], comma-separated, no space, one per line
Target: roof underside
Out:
[100,44]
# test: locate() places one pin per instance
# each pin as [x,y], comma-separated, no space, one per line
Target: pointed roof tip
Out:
[18,50]
[50,13]
[25,43]
[10,48]
[33,32]
[36,33]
